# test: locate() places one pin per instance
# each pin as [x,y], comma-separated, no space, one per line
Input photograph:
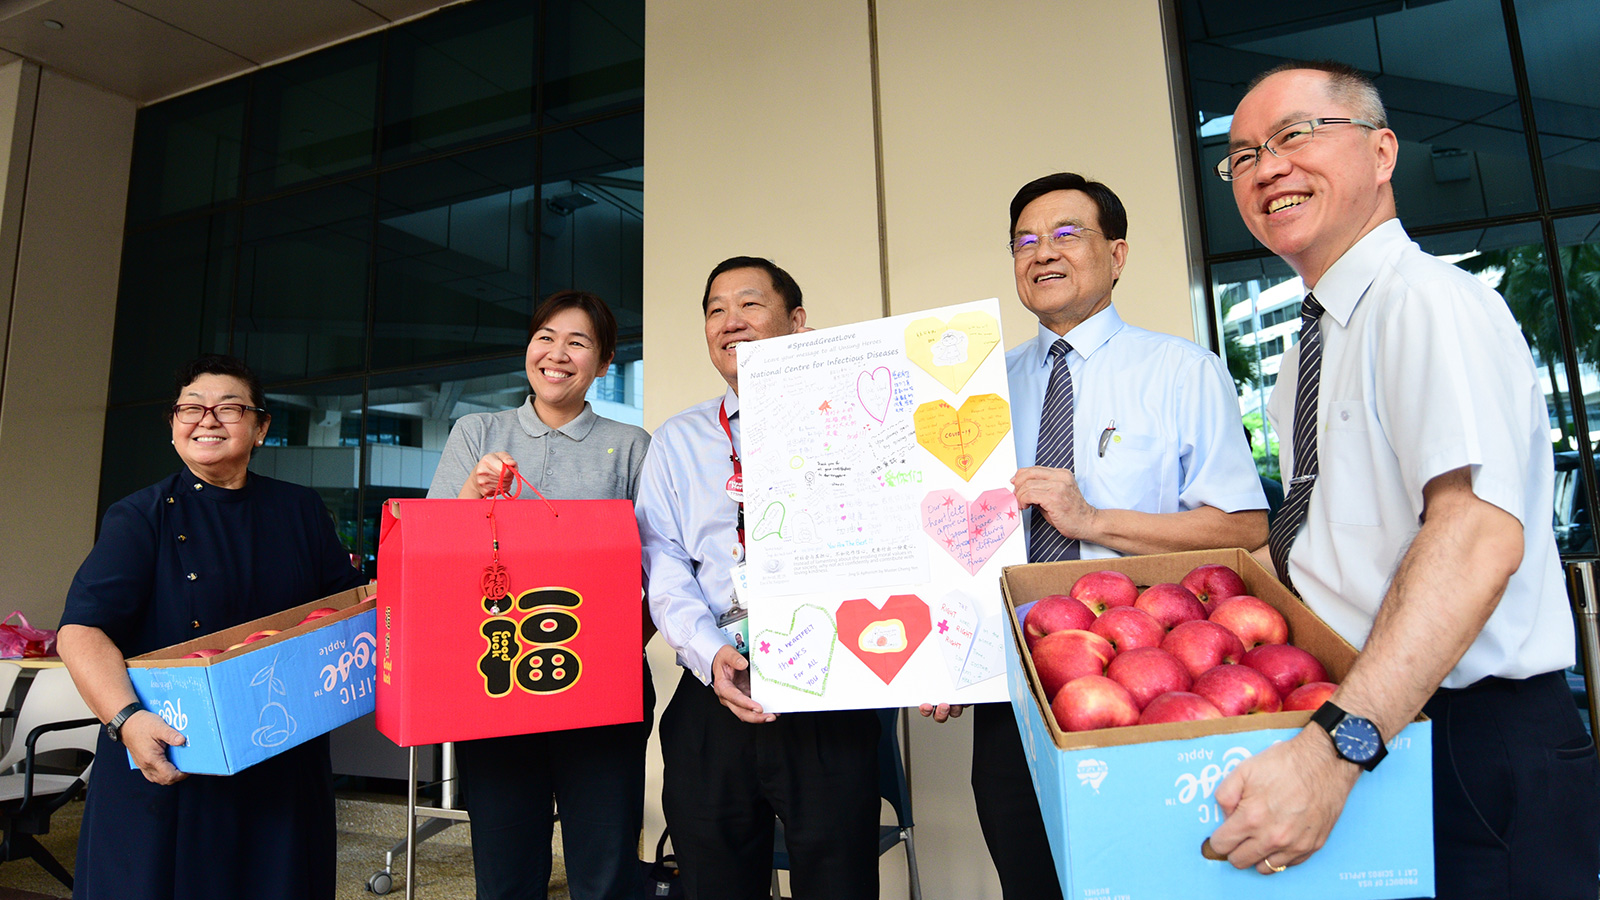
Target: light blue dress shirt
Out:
[689,528]
[1177,443]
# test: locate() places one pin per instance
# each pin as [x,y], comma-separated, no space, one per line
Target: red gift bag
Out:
[501,618]
[25,641]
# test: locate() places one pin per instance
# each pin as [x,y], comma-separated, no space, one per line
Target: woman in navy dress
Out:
[210,547]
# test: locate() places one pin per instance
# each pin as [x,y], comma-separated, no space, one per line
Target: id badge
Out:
[735,623]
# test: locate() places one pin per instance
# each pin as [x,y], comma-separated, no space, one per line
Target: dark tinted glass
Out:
[172,304]
[186,152]
[455,257]
[1444,71]
[463,74]
[137,451]
[1580,271]
[303,270]
[1258,312]
[594,57]
[1559,41]
[313,116]
[314,440]
[592,219]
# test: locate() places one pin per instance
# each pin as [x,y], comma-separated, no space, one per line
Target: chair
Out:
[52,717]
[893,787]
[8,678]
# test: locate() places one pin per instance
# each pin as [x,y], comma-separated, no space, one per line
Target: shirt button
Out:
[198,485]
[549,471]
[195,624]
[193,576]
[1344,415]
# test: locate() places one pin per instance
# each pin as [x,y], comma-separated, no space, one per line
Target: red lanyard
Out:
[737,481]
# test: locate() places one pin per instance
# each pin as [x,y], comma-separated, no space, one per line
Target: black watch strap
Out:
[114,727]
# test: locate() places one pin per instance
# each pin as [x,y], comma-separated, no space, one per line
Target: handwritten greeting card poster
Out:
[877,461]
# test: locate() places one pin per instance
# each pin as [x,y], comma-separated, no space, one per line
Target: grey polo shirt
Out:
[589,458]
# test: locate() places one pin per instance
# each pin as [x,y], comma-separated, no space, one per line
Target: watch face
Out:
[1357,739]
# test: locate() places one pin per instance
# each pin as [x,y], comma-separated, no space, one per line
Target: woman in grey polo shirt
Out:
[557,442]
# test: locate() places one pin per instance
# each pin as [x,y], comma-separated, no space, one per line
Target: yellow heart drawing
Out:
[952,351]
[963,439]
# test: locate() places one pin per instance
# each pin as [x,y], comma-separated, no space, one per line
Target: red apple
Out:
[1178,706]
[1238,691]
[1201,645]
[1309,696]
[1056,612]
[1213,582]
[1127,628]
[236,646]
[1101,591]
[1285,665]
[318,613]
[1065,655]
[263,633]
[201,654]
[1094,701]
[1147,673]
[1171,604]
[1252,619]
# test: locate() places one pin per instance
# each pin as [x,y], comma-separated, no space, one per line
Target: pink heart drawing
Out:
[970,532]
[874,389]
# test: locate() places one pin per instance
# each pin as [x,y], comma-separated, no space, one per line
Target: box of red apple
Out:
[252,691]
[1139,683]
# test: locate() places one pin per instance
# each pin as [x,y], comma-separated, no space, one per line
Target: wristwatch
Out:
[114,727]
[1354,738]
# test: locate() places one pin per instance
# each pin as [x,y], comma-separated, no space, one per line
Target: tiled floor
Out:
[368,827]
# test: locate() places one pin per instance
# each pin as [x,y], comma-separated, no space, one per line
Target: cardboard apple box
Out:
[1126,809]
[242,706]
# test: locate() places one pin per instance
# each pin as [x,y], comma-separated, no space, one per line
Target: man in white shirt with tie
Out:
[1128,442]
[1421,532]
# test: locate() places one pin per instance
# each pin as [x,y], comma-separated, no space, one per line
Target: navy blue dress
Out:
[174,561]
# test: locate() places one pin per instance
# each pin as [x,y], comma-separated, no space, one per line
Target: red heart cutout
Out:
[884,637]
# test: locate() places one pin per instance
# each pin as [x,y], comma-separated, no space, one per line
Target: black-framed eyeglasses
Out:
[1063,238]
[226,413]
[1284,141]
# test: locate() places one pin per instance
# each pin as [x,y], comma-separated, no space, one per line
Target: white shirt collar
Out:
[1342,286]
[1090,335]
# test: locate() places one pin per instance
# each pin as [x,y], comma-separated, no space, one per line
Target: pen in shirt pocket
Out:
[1105,436]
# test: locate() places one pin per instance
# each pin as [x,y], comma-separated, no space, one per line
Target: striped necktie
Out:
[1280,538]
[1045,543]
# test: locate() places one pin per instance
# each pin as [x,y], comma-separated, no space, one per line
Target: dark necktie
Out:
[1045,543]
[1280,538]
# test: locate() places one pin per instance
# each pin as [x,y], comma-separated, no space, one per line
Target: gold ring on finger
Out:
[1275,869]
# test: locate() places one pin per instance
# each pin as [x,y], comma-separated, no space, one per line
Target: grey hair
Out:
[1346,86]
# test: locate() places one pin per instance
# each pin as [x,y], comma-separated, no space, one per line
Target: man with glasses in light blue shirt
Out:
[1154,458]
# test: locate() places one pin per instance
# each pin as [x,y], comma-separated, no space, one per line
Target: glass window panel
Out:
[173,303]
[303,270]
[137,450]
[186,152]
[591,222]
[314,440]
[1559,38]
[1444,70]
[313,116]
[455,257]
[410,415]
[461,74]
[594,57]
[1258,306]
[1580,270]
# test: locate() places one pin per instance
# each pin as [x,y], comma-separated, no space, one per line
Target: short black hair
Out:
[216,364]
[1113,217]
[782,281]
[600,316]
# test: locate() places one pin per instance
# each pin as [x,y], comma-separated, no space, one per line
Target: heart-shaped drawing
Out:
[884,637]
[952,351]
[962,439]
[874,389]
[770,523]
[971,533]
[798,658]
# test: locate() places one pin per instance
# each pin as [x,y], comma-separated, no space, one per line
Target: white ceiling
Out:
[151,49]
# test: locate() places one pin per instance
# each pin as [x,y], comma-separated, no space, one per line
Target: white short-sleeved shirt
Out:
[1176,444]
[1424,371]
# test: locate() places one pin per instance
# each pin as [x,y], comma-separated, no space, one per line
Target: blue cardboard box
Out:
[1126,809]
[258,700]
